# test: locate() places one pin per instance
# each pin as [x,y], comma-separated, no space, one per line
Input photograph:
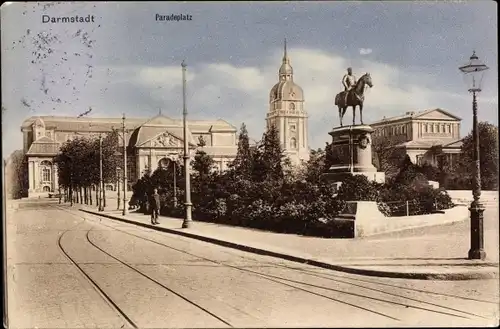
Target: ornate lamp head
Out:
[474,72]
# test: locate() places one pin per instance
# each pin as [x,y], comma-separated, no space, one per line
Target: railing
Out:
[408,208]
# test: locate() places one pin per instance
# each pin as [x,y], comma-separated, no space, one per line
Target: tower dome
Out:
[286,89]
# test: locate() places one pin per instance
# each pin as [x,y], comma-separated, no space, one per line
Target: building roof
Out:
[44,146]
[90,124]
[455,144]
[415,115]
[428,143]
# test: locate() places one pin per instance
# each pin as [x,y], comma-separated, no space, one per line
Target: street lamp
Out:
[125,185]
[473,72]
[101,183]
[187,219]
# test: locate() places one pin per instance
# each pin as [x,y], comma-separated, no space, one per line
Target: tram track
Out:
[107,297]
[93,283]
[279,279]
[293,284]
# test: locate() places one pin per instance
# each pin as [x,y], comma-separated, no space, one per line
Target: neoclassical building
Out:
[150,143]
[424,136]
[287,113]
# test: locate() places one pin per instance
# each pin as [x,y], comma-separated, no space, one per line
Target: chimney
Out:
[410,113]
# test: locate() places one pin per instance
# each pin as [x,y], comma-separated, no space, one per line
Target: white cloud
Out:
[365,51]
[240,94]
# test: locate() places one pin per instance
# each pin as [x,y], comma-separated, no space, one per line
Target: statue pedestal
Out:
[352,149]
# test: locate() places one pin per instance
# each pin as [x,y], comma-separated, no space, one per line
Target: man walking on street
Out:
[155,207]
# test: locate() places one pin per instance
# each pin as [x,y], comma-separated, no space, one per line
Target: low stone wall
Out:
[465,196]
[370,221]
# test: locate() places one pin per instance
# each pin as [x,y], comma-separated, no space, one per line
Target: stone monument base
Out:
[353,145]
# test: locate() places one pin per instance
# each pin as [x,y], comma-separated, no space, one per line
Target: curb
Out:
[457,276]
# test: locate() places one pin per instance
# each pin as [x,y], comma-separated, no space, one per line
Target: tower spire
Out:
[285,54]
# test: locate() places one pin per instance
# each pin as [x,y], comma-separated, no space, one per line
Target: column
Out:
[55,178]
[37,176]
[300,137]
[281,122]
[285,131]
[306,133]
[31,175]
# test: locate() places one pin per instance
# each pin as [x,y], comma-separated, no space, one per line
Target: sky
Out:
[126,61]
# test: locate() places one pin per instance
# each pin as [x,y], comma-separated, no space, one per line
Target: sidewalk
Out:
[431,253]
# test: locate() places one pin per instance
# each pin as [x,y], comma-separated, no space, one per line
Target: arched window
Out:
[46,163]
[293,143]
[110,188]
[292,106]
[46,188]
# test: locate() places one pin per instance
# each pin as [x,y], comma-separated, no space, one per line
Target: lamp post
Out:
[125,208]
[118,188]
[175,184]
[473,72]
[187,219]
[101,183]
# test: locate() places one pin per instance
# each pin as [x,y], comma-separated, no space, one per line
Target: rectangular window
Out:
[448,128]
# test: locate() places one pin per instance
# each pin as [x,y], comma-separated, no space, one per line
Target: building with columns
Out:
[424,136]
[287,113]
[150,143]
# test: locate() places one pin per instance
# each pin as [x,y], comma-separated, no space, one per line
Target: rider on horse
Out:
[349,81]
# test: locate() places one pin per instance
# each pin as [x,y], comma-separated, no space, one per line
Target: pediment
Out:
[437,114]
[164,139]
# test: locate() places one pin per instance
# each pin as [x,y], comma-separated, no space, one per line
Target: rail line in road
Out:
[106,296]
[279,279]
[292,284]
[94,284]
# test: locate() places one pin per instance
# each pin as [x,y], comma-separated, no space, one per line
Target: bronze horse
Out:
[355,98]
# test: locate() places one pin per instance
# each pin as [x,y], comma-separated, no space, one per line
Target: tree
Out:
[488,156]
[315,166]
[111,158]
[269,156]
[203,164]
[386,157]
[410,175]
[16,174]
[242,164]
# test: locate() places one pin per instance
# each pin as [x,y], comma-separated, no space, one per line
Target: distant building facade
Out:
[425,136]
[287,114]
[150,143]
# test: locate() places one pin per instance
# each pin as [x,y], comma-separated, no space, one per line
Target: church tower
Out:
[286,112]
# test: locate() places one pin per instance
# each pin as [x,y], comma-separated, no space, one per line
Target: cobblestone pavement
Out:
[160,280]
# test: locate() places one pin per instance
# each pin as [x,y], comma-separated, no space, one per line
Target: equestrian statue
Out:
[353,94]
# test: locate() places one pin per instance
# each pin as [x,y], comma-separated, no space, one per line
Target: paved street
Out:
[68,269]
